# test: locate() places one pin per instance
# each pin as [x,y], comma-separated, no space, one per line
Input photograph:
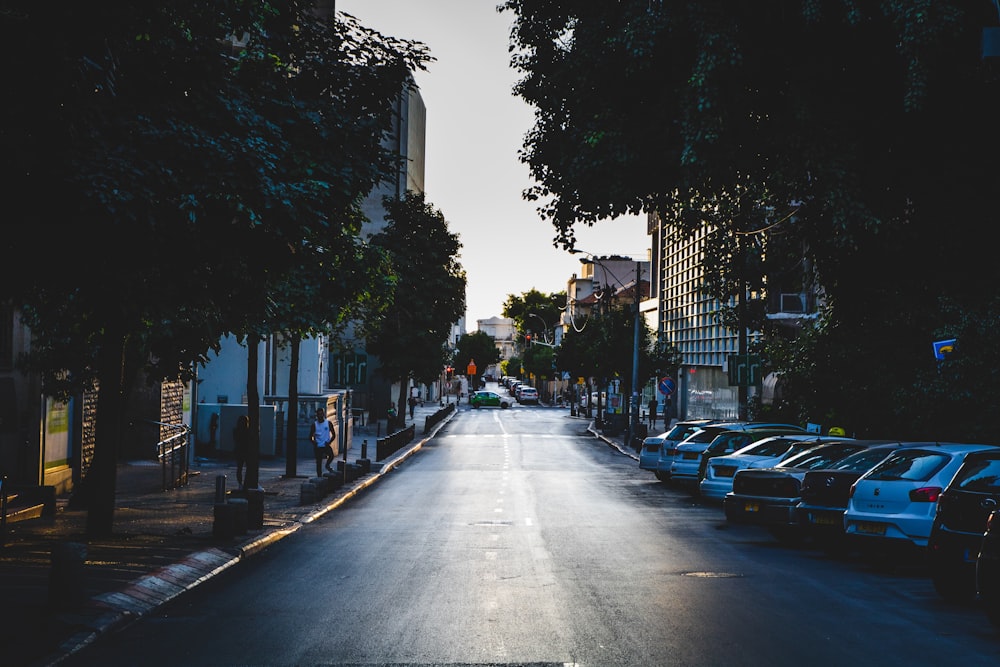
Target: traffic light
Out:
[449,370]
[527,340]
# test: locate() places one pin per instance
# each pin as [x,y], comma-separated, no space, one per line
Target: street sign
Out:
[471,368]
[744,370]
[942,348]
[666,386]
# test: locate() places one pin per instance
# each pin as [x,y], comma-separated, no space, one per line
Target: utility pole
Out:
[633,429]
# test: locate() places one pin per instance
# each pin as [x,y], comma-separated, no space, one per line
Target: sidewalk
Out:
[61,590]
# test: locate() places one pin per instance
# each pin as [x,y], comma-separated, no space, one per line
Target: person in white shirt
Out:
[321,435]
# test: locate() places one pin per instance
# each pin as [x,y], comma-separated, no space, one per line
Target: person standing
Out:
[413,405]
[241,445]
[321,435]
[652,411]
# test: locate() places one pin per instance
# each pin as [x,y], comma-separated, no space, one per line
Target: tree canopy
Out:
[182,169]
[843,136]
[429,292]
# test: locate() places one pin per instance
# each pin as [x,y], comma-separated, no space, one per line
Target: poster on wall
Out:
[56,433]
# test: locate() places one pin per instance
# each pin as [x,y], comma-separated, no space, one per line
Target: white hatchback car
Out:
[649,455]
[895,502]
[766,453]
[686,467]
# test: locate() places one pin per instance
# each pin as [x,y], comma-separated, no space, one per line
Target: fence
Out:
[432,420]
[173,456]
[392,443]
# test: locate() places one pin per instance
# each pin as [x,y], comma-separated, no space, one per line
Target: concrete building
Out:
[503,332]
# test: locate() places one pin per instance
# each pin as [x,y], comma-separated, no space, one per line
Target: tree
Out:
[851,153]
[534,311]
[429,292]
[202,181]
[479,347]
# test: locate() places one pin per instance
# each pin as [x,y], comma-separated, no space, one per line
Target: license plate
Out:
[751,507]
[869,528]
[690,456]
[823,519]
[724,471]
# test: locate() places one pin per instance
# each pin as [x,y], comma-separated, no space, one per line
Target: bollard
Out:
[255,508]
[67,578]
[220,489]
[364,449]
[224,521]
[240,515]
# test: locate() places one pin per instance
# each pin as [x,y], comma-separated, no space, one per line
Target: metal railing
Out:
[173,455]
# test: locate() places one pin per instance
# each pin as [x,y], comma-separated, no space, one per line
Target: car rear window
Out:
[861,461]
[820,456]
[915,465]
[982,475]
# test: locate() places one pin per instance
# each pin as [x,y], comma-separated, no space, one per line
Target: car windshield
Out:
[769,447]
[680,431]
[915,465]
[819,457]
[733,440]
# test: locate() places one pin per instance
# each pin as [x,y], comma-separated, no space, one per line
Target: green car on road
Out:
[489,398]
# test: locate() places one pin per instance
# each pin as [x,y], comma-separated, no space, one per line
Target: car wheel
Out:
[952,586]
[505,404]
[660,476]
[475,406]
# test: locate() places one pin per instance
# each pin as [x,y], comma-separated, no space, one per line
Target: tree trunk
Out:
[402,405]
[101,480]
[253,412]
[292,446]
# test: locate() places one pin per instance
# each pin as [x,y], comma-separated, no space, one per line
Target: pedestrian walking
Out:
[652,411]
[321,435]
[241,445]
[413,404]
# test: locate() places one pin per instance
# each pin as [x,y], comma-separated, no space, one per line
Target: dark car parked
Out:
[769,496]
[963,508]
[988,569]
[825,492]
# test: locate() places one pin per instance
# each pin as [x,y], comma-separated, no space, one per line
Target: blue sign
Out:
[942,348]
[666,386]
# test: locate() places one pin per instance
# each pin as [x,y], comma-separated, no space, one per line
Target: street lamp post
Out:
[633,424]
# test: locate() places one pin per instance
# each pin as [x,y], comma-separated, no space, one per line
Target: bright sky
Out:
[475,127]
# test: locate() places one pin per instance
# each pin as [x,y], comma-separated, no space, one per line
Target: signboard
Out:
[666,386]
[942,348]
[471,369]
[744,370]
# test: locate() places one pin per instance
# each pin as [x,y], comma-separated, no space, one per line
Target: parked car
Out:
[677,433]
[768,496]
[730,442]
[894,503]
[687,459]
[482,399]
[649,454]
[825,493]
[956,537]
[527,395]
[764,453]
[988,569]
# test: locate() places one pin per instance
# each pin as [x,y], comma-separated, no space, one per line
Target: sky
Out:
[475,127]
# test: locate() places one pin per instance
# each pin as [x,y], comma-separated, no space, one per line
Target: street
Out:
[515,537]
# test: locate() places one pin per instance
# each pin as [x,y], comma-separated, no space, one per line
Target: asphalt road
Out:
[517,538]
